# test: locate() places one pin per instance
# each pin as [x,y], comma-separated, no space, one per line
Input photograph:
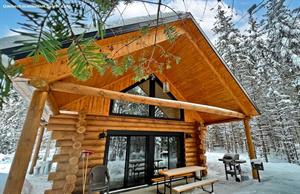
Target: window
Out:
[151,87]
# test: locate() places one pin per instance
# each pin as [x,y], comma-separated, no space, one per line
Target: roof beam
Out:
[92,91]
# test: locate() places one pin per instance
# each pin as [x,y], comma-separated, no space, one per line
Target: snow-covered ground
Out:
[277,178]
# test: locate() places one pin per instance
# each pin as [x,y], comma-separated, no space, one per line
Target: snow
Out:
[32,185]
[277,178]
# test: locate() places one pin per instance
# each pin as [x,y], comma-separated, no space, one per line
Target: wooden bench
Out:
[190,186]
[162,179]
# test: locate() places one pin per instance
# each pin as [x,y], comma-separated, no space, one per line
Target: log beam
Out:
[23,153]
[37,148]
[251,149]
[91,91]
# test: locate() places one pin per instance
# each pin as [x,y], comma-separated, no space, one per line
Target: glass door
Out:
[116,160]
[134,158]
[137,161]
[166,153]
[126,161]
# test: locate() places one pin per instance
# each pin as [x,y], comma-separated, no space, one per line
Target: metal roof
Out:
[9,47]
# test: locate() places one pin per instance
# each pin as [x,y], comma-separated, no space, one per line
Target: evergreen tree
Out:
[265,61]
[11,122]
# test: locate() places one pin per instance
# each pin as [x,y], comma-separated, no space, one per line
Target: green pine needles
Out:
[53,24]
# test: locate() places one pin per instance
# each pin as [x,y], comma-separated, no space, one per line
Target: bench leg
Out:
[212,189]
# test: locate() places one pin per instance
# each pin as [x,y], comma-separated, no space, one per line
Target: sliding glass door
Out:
[133,158]
[166,153]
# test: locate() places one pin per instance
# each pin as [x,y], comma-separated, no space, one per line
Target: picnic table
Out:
[176,172]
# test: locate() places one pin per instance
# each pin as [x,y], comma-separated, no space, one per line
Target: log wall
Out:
[74,133]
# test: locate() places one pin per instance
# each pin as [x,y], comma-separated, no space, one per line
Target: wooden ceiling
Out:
[201,77]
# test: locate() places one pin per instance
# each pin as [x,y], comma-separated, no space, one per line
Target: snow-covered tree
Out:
[264,59]
[11,122]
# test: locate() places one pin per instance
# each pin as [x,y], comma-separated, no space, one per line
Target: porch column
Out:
[24,149]
[37,147]
[201,147]
[251,149]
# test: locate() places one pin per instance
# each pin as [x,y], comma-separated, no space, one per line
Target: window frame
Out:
[152,81]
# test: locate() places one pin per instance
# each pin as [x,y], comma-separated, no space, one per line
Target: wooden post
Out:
[24,149]
[251,149]
[37,147]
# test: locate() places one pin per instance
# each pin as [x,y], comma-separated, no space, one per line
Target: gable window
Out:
[151,87]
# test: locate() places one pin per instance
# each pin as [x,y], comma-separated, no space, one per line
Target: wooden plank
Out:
[23,153]
[182,170]
[209,55]
[91,91]
[190,186]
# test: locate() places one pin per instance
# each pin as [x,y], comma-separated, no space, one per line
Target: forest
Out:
[265,59]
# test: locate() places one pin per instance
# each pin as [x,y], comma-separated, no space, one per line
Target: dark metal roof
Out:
[113,28]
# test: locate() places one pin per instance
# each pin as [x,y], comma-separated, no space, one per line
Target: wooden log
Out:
[60,158]
[191,163]
[76,145]
[190,140]
[91,91]
[81,123]
[191,159]
[64,143]
[191,149]
[78,137]
[251,149]
[65,166]
[74,153]
[67,144]
[39,83]
[24,149]
[68,187]
[56,176]
[118,125]
[191,155]
[72,169]
[71,178]
[66,157]
[73,160]
[81,129]
[98,120]
[37,148]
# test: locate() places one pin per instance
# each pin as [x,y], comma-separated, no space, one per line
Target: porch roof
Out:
[202,77]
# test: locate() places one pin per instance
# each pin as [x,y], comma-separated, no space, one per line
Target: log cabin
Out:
[162,119]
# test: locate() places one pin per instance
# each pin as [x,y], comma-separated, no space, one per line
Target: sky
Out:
[9,17]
